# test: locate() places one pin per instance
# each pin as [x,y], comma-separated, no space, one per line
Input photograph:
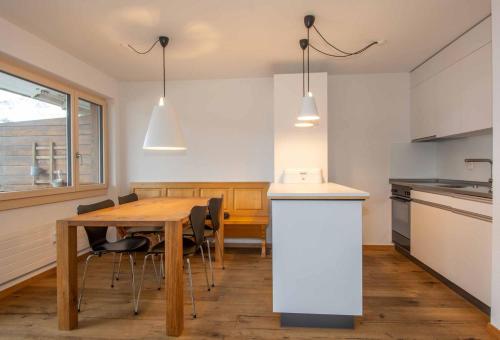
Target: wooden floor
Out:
[401,301]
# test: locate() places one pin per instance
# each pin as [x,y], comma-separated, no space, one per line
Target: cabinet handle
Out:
[455,210]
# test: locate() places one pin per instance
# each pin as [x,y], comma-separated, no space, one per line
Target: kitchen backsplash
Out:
[442,159]
[450,155]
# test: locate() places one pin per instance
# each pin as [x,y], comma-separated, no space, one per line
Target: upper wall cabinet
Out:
[451,93]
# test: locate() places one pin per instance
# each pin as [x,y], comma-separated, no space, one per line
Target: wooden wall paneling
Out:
[227,193]
[148,192]
[246,202]
[247,199]
[182,192]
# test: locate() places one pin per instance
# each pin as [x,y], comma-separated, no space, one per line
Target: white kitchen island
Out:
[317,254]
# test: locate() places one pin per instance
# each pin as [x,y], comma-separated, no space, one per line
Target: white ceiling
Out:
[243,38]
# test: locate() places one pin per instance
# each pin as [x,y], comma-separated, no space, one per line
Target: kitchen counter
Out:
[317,254]
[450,187]
[304,191]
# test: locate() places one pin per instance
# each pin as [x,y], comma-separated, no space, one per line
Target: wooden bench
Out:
[246,203]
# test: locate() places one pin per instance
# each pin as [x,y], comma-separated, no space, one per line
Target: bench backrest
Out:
[240,198]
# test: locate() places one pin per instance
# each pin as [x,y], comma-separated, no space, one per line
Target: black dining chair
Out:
[134,231]
[212,231]
[99,245]
[190,248]
[138,230]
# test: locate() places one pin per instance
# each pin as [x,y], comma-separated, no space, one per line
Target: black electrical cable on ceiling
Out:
[145,52]
[345,55]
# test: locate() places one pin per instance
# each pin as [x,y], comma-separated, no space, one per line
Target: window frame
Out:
[18,199]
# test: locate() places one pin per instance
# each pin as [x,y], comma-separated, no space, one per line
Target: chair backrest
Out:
[96,235]
[214,207]
[197,219]
[128,198]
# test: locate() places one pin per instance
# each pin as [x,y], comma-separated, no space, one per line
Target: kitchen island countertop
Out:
[323,191]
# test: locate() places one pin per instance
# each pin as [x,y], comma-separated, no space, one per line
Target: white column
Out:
[495,277]
[296,147]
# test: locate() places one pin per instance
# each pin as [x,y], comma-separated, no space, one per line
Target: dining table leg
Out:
[67,272]
[219,241]
[174,278]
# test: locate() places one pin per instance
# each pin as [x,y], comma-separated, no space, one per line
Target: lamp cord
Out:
[346,55]
[144,52]
[308,60]
[164,72]
[303,75]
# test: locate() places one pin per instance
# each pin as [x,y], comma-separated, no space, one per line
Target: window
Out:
[52,140]
[90,142]
[34,134]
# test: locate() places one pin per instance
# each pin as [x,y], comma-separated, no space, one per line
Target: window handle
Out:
[80,157]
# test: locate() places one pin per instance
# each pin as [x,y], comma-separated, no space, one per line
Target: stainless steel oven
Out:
[401,216]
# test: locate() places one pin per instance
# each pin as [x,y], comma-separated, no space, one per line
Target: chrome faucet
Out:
[483,160]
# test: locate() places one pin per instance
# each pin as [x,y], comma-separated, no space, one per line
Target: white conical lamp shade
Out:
[308,109]
[164,131]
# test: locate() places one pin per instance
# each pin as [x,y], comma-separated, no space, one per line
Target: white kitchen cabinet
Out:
[451,94]
[476,90]
[423,123]
[454,245]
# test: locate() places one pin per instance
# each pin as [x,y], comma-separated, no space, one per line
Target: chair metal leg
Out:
[217,244]
[113,274]
[210,262]
[119,265]
[131,258]
[157,276]
[204,267]
[136,305]
[190,275]
[87,261]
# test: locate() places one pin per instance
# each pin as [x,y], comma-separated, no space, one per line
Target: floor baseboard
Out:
[20,285]
[270,245]
[495,332]
[460,291]
[12,289]
[378,246]
[246,245]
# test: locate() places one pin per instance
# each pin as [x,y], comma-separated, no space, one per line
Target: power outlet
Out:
[469,166]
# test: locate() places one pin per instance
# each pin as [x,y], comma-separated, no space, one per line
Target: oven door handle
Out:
[401,199]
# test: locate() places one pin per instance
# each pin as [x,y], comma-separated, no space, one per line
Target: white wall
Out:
[299,147]
[367,114]
[228,127]
[495,284]
[413,160]
[235,117]
[26,234]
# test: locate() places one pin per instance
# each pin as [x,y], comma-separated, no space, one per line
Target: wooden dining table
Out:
[171,213]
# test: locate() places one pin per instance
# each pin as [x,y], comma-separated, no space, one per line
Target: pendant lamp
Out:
[308,113]
[164,131]
[308,109]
